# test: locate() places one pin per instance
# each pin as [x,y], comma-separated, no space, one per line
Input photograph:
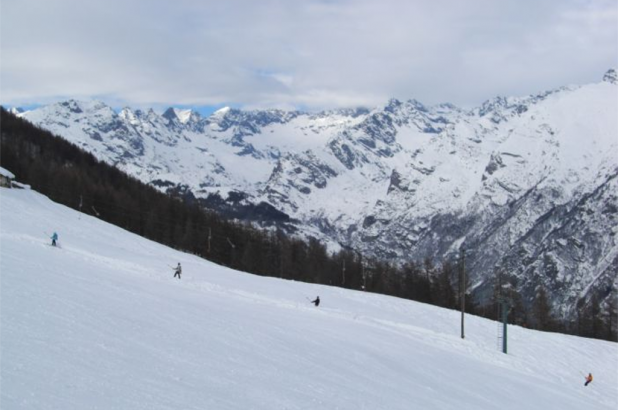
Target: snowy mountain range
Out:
[526,185]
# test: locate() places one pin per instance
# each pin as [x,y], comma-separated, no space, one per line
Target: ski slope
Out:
[102,324]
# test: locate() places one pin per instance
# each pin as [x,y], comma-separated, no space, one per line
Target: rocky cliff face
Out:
[526,185]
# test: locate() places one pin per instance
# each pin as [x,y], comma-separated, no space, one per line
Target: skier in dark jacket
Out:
[316,301]
[177,270]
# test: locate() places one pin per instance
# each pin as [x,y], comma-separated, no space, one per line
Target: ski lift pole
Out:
[505,309]
[462,286]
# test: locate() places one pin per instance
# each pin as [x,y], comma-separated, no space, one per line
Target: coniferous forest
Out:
[70,176]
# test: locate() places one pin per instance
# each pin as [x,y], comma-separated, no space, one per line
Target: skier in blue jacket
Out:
[54,238]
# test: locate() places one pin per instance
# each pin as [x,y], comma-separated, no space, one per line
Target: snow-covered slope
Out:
[523,184]
[101,323]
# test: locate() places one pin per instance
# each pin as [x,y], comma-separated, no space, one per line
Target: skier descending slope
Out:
[588,379]
[316,301]
[54,238]
[177,270]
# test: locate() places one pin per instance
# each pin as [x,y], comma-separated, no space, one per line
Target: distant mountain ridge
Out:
[526,185]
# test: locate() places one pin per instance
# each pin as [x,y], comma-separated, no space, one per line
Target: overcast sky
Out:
[306,54]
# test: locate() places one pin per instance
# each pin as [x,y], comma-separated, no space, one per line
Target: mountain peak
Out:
[393,105]
[128,114]
[72,105]
[170,114]
[222,111]
[183,115]
[18,111]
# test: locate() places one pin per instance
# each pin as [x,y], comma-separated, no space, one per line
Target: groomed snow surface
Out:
[102,324]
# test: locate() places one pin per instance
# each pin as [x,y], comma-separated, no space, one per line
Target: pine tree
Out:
[612,317]
[445,291]
[541,310]
[596,320]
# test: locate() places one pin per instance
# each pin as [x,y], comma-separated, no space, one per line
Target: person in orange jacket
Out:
[588,379]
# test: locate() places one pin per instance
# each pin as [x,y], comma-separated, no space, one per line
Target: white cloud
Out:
[316,54]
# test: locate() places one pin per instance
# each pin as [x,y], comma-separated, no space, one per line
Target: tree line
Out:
[70,176]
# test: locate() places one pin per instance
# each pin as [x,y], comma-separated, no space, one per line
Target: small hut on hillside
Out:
[6,178]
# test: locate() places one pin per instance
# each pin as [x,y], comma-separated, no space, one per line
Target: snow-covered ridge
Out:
[102,322]
[400,181]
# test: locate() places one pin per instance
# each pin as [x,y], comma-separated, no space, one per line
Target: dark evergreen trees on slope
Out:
[417,285]
[543,319]
[590,318]
[612,319]
[444,286]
